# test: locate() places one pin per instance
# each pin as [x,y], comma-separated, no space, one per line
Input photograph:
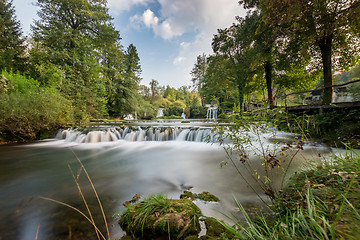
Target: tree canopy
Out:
[12,43]
[328,31]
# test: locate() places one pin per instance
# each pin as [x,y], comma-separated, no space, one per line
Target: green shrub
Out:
[27,110]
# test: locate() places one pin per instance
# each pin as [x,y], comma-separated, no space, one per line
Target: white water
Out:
[132,134]
[211,113]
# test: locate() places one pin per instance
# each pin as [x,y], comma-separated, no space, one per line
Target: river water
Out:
[168,158]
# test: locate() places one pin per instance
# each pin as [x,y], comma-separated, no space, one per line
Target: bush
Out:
[197,112]
[27,110]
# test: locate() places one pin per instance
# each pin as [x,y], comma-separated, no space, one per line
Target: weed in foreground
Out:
[321,203]
[88,217]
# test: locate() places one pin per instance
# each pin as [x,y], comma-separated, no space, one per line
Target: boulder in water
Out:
[158,217]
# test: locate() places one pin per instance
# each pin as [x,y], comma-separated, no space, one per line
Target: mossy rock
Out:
[204,196]
[158,217]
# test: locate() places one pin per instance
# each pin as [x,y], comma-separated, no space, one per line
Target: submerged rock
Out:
[158,217]
[204,196]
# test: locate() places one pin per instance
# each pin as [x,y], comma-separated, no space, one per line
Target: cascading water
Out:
[137,134]
[160,113]
[211,113]
[183,115]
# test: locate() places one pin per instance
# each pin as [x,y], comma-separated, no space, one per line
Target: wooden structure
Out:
[320,107]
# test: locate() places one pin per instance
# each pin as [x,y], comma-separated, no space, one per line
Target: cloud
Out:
[162,29]
[178,60]
[118,6]
[191,23]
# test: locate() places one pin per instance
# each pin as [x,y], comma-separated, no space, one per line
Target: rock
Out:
[204,196]
[158,217]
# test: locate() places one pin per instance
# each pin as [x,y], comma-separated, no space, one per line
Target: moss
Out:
[157,217]
[204,196]
[215,230]
[192,237]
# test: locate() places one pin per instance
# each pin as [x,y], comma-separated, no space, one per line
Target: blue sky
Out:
[168,34]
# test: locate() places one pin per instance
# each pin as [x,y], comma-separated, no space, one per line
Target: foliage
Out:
[12,43]
[328,31]
[320,203]
[204,196]
[158,216]
[28,110]
[338,128]
[244,140]
[76,48]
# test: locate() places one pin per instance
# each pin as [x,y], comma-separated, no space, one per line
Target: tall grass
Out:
[321,203]
[88,217]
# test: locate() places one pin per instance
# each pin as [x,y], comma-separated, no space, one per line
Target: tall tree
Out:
[329,31]
[219,82]
[127,94]
[71,36]
[199,70]
[154,87]
[12,43]
[250,50]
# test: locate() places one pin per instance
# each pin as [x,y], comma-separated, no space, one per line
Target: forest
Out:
[73,67]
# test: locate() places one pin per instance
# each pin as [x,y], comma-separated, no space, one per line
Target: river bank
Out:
[319,203]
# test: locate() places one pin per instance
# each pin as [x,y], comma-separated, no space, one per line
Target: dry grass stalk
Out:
[95,192]
[77,210]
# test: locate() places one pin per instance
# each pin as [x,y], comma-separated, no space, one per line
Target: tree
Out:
[199,70]
[73,37]
[329,31]
[154,86]
[126,85]
[12,44]
[219,82]
[249,45]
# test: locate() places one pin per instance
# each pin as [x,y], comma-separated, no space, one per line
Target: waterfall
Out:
[183,115]
[160,113]
[211,113]
[136,134]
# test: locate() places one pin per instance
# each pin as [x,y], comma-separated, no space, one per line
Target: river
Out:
[168,159]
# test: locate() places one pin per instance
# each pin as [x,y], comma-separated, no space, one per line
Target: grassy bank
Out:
[320,203]
[338,128]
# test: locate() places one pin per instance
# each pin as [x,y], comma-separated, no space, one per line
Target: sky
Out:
[168,34]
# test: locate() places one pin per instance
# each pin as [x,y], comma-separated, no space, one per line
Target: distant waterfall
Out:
[133,134]
[212,113]
[160,113]
[183,115]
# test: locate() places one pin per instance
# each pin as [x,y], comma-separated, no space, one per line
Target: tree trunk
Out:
[241,89]
[325,48]
[241,97]
[268,77]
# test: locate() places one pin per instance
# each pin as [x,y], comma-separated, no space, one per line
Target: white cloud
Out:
[178,60]
[198,18]
[117,6]
[162,29]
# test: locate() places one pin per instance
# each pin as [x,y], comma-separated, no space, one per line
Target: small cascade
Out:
[211,113]
[136,134]
[183,115]
[160,113]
